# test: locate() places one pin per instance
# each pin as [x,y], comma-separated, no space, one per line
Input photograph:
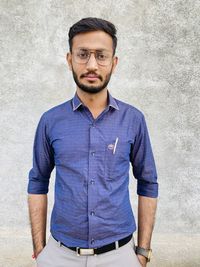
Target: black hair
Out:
[93,24]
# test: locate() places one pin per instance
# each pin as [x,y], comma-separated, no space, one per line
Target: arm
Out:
[144,171]
[37,204]
[39,175]
[146,219]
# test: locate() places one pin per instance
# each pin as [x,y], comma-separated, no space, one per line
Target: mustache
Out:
[92,73]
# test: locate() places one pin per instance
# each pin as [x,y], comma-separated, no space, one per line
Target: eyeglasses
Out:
[82,56]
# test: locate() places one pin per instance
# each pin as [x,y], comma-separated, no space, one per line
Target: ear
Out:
[69,60]
[115,61]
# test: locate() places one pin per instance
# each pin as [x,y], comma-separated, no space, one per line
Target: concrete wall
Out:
[158,72]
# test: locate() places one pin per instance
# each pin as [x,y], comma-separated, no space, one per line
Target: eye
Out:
[82,54]
[101,56]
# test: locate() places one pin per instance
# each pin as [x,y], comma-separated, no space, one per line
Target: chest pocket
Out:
[117,162]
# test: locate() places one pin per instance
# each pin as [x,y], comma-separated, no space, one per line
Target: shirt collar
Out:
[76,102]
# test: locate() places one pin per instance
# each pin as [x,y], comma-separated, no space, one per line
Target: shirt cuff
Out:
[147,189]
[35,187]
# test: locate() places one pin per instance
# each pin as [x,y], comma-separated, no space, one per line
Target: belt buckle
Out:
[85,251]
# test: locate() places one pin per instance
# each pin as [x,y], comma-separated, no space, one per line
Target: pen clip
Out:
[115,145]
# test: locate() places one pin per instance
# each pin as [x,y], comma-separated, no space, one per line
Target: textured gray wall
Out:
[158,72]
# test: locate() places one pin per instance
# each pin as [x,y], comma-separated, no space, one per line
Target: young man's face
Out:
[90,74]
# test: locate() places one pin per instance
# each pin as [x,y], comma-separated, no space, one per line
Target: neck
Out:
[93,101]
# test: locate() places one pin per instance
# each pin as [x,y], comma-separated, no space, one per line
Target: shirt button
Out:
[93,153]
[92,213]
[92,241]
[92,181]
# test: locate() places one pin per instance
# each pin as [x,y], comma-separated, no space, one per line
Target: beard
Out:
[91,89]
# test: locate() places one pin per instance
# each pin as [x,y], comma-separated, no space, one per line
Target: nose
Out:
[92,63]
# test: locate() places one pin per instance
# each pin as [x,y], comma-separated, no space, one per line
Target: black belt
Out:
[95,251]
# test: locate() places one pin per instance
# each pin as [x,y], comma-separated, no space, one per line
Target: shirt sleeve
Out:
[143,164]
[43,160]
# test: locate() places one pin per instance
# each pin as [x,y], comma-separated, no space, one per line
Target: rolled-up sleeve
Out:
[43,160]
[142,161]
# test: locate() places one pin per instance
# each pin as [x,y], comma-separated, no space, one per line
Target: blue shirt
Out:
[92,158]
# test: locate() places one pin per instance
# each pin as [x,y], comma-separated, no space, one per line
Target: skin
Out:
[146,219]
[94,95]
[37,204]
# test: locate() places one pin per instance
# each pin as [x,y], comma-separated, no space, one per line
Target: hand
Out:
[142,260]
[37,252]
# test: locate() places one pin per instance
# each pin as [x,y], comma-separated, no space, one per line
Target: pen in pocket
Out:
[115,145]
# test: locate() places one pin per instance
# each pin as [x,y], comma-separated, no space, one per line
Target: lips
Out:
[91,77]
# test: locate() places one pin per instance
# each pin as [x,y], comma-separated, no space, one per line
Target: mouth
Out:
[91,77]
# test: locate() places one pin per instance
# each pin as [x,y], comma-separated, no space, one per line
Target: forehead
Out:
[98,40]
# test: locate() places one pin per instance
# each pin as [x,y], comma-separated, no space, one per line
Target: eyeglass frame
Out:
[90,52]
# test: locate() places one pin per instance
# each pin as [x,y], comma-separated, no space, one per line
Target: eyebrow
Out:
[98,50]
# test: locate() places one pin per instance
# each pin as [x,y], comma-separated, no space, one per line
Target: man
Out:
[92,139]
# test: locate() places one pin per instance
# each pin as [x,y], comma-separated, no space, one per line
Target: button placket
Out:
[92,177]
